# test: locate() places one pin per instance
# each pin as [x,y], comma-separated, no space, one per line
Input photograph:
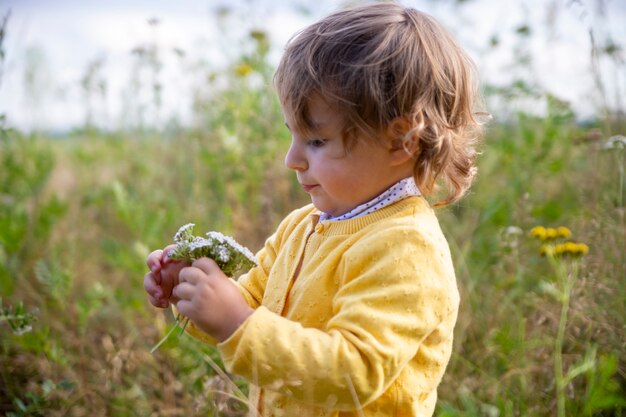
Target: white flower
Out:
[230,256]
[513,231]
[232,243]
[184,233]
[615,142]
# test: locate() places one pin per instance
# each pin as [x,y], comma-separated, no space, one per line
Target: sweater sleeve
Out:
[389,302]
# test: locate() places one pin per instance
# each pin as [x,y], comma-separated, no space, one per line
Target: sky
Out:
[50,45]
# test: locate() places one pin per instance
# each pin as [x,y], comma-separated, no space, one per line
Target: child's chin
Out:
[328,210]
[320,205]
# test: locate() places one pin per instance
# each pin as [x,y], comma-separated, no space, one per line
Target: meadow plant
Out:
[617,145]
[19,320]
[564,258]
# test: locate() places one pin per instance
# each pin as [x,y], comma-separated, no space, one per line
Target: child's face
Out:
[339,179]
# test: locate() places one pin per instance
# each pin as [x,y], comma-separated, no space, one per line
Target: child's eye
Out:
[316,143]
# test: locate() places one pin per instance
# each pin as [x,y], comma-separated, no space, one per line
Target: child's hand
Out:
[210,300]
[162,278]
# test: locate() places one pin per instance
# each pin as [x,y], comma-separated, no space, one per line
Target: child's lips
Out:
[308,187]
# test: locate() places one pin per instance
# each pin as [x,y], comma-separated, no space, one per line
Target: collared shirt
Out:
[399,191]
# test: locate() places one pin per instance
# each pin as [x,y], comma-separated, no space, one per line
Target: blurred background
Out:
[122,120]
[68,63]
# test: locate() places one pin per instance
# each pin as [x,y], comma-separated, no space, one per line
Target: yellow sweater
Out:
[349,314]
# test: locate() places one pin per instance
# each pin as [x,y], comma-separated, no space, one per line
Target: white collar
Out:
[399,191]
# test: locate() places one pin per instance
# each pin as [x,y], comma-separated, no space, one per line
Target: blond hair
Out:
[382,63]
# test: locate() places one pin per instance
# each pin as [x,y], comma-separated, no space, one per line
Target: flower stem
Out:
[620,165]
[558,358]
[566,281]
[184,326]
[169,333]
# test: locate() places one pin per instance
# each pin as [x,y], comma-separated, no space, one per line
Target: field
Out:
[540,332]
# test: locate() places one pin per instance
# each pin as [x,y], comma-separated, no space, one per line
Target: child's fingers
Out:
[167,284]
[153,261]
[172,268]
[155,293]
[185,307]
[165,253]
[169,275]
[191,274]
[184,291]
[151,286]
[158,302]
[206,265]
[173,299]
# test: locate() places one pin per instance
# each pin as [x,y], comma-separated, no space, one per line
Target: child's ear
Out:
[403,144]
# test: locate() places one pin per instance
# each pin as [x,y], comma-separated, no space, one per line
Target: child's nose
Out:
[294,159]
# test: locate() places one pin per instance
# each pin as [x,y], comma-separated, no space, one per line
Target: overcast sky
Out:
[60,38]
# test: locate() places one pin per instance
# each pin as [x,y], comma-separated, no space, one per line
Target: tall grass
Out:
[78,215]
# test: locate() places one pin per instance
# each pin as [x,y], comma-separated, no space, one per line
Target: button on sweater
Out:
[351,314]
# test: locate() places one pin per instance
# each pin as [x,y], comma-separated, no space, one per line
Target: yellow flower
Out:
[546,250]
[560,249]
[575,249]
[564,249]
[563,232]
[538,232]
[243,70]
[570,247]
[258,35]
[551,233]
[582,249]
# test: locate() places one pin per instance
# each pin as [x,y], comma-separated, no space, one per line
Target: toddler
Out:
[352,307]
